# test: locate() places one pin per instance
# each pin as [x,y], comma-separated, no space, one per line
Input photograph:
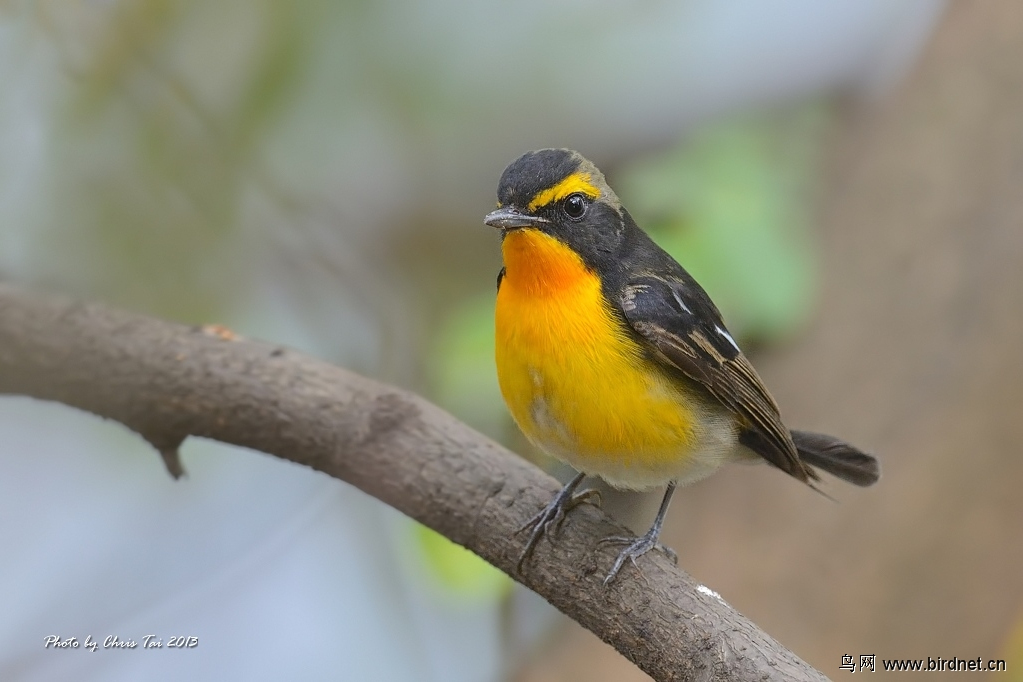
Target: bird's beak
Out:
[510,219]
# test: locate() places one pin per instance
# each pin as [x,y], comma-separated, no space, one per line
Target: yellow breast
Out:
[574,381]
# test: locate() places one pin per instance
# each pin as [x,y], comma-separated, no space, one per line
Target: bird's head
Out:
[561,194]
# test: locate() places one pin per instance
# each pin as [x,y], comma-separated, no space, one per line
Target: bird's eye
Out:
[575,206]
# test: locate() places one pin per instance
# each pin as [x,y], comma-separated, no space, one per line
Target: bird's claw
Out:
[588,496]
[636,547]
[550,519]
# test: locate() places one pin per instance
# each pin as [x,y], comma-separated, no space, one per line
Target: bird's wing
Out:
[683,331]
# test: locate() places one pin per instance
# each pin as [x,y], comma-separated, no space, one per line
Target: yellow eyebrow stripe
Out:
[576,182]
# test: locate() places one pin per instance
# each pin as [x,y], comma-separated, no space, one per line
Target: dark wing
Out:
[683,330]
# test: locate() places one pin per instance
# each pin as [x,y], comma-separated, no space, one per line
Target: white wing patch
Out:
[681,303]
[728,337]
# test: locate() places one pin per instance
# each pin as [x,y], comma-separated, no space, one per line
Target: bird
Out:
[614,360]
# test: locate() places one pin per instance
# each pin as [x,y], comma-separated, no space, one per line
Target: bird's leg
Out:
[551,517]
[637,547]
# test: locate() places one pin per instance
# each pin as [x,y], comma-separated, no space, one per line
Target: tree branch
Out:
[167,382]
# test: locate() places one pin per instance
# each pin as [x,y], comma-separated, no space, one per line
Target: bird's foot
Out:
[549,520]
[635,548]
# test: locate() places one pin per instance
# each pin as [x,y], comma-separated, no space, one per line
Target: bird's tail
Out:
[837,458]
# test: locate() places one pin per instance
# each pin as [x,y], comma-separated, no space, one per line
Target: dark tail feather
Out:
[837,458]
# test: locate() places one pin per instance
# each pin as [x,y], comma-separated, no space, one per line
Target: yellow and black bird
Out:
[613,359]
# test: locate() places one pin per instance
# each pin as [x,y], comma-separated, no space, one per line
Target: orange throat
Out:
[537,264]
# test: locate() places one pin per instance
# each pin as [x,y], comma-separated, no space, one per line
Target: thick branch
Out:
[168,382]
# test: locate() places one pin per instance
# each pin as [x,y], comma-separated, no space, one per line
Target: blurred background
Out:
[844,178]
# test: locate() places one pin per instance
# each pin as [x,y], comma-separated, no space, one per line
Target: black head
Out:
[558,192]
